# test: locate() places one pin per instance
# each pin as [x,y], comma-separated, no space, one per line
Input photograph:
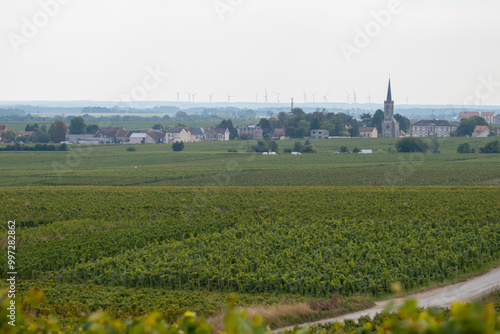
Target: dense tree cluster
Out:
[467,126]
[411,144]
[298,124]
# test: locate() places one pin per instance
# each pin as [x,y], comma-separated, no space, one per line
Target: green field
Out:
[210,164]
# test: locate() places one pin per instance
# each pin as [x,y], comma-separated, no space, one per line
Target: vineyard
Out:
[317,258]
[186,246]
[210,164]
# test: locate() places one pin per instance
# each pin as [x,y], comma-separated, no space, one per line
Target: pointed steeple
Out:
[389,94]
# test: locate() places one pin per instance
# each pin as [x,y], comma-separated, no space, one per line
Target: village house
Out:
[488,116]
[481,131]
[253,130]
[320,134]
[429,128]
[158,137]
[138,138]
[197,134]
[178,134]
[496,120]
[217,134]
[27,134]
[367,132]
[108,134]
[123,136]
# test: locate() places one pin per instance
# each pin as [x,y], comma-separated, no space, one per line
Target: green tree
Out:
[158,127]
[491,147]
[411,144]
[265,125]
[41,137]
[92,129]
[404,122]
[378,118]
[178,146]
[260,147]
[33,127]
[77,126]
[298,146]
[57,131]
[315,123]
[228,124]
[465,148]
[272,146]
[309,147]
[367,119]
[344,149]
[354,128]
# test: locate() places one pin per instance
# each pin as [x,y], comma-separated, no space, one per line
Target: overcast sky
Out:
[436,52]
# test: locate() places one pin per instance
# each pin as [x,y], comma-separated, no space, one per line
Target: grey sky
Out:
[437,52]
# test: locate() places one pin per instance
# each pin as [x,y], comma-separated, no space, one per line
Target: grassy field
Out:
[210,164]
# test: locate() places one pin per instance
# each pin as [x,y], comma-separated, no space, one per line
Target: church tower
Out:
[390,127]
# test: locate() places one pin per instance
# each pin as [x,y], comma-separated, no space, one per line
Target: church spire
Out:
[389,94]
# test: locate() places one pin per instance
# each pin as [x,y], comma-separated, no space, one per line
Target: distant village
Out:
[422,128]
[295,124]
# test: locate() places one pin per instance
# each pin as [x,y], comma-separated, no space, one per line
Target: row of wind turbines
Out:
[191,97]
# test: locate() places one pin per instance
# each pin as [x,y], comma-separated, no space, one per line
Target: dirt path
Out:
[440,297]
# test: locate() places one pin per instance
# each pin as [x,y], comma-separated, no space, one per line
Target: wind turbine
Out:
[229,98]
[355,96]
[305,97]
[314,96]
[256,97]
[194,95]
[189,96]
[325,97]
[265,95]
[210,97]
[277,96]
[348,98]
[369,98]
[178,96]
